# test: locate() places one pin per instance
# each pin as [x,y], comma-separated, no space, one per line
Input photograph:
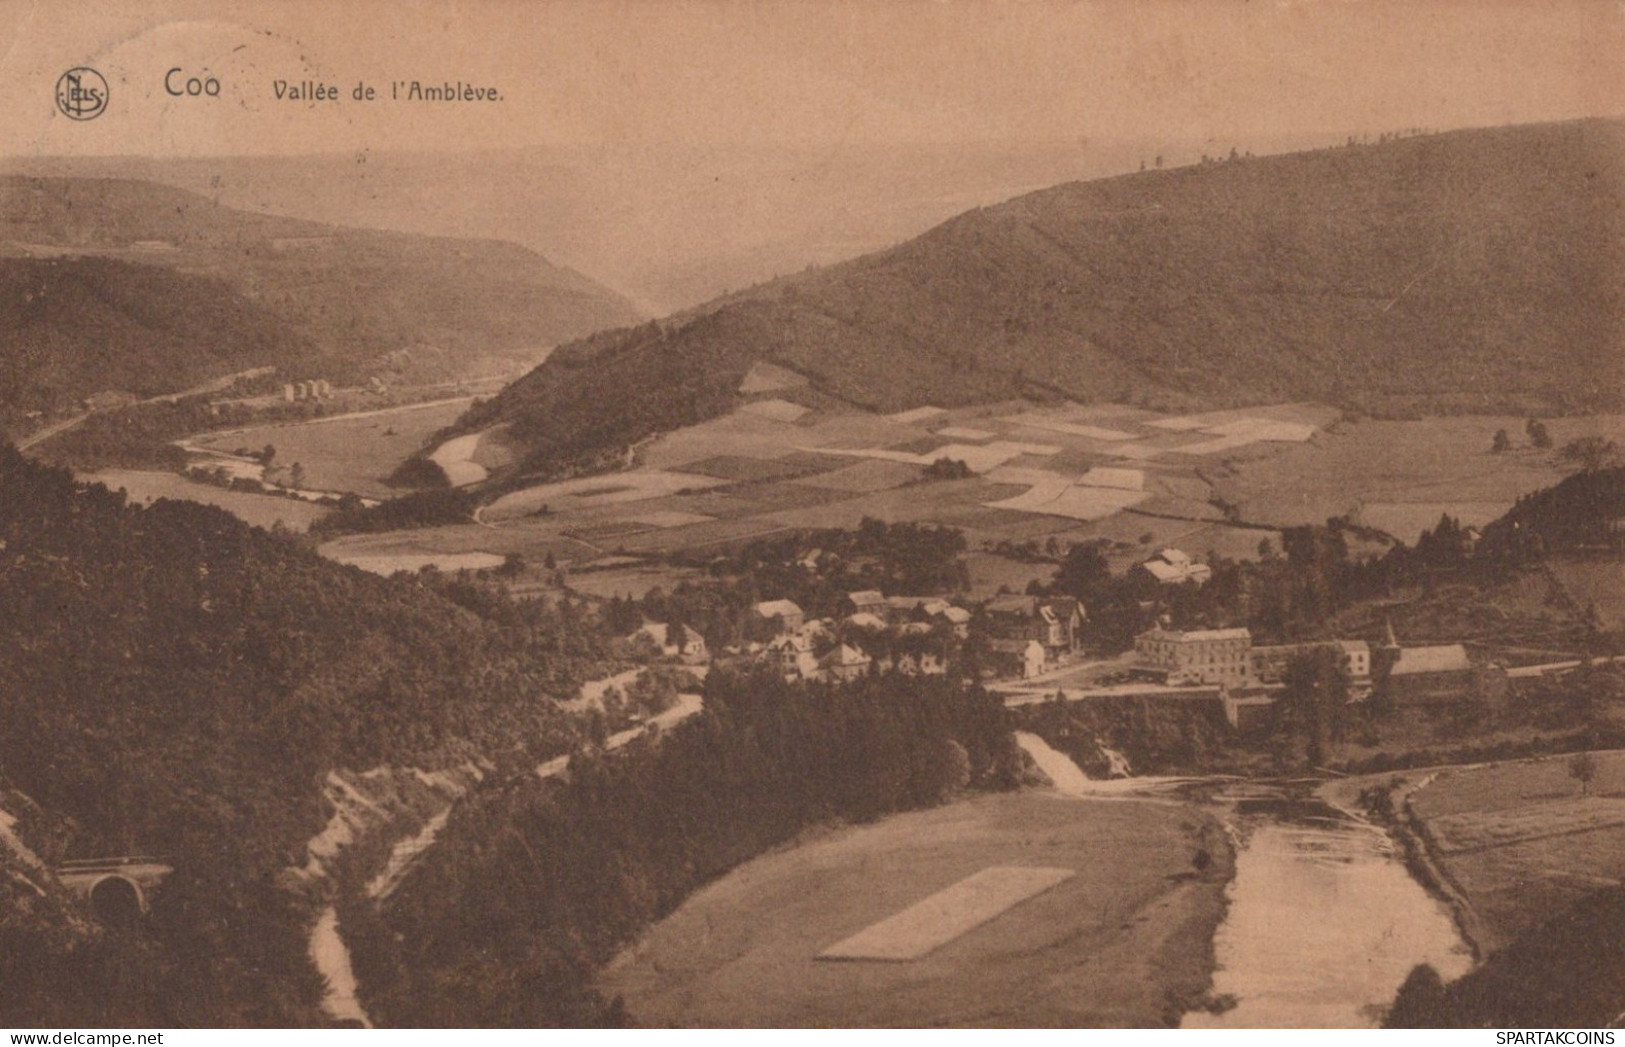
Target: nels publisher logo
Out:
[81,94]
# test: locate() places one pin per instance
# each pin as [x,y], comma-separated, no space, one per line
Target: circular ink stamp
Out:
[81,94]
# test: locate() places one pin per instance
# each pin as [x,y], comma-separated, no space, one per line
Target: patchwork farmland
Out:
[1035,472]
[1218,482]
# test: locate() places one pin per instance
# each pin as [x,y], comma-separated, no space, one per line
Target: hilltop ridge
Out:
[1457,271]
[348,297]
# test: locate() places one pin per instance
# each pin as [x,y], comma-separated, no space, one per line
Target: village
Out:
[1037,648]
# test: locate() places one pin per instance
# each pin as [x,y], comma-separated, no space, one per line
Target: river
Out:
[1325,920]
[332,959]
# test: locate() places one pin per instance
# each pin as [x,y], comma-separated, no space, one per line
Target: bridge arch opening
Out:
[117,901]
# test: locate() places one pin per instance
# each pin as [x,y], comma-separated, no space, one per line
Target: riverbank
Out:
[1124,941]
[1531,861]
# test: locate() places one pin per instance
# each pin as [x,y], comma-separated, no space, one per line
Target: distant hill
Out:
[350,296]
[1457,271]
[76,326]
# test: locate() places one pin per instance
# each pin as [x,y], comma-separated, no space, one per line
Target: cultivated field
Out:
[1123,941]
[1520,839]
[258,509]
[1400,475]
[1071,473]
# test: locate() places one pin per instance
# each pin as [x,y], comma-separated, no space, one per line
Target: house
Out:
[1175,567]
[865,620]
[1268,663]
[784,615]
[843,663]
[1021,658]
[793,655]
[692,650]
[1197,656]
[915,663]
[868,601]
[1423,675]
[958,620]
[1056,623]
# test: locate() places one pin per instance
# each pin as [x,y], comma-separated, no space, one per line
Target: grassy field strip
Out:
[1463,833]
[937,920]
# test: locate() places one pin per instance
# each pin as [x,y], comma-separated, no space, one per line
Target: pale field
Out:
[631,581]
[1520,839]
[388,563]
[347,454]
[634,485]
[259,510]
[1115,944]
[1429,464]
[933,922]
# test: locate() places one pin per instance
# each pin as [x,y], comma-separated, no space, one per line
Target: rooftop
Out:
[1447,658]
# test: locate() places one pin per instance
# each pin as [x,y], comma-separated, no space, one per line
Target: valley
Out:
[1015,626]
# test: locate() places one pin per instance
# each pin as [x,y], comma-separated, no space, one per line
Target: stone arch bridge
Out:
[118,889]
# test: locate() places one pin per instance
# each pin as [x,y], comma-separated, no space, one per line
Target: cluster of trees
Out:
[947,469]
[1588,452]
[1580,511]
[530,890]
[173,681]
[420,509]
[1565,973]
[1176,737]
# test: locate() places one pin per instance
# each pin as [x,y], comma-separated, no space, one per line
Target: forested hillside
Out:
[355,295]
[174,682]
[76,326]
[1456,271]
[530,891]
[1586,509]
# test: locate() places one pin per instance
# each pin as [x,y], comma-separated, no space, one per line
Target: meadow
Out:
[1522,841]
[1125,940]
[354,453]
[260,510]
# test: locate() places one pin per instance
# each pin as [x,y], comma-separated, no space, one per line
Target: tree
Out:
[297,476]
[677,636]
[1538,434]
[1084,569]
[1583,768]
[268,455]
[1592,452]
[1502,442]
[1316,689]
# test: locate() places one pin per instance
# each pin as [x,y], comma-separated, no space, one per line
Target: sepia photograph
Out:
[812,515]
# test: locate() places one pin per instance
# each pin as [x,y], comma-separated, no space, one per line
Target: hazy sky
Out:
[811,72]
